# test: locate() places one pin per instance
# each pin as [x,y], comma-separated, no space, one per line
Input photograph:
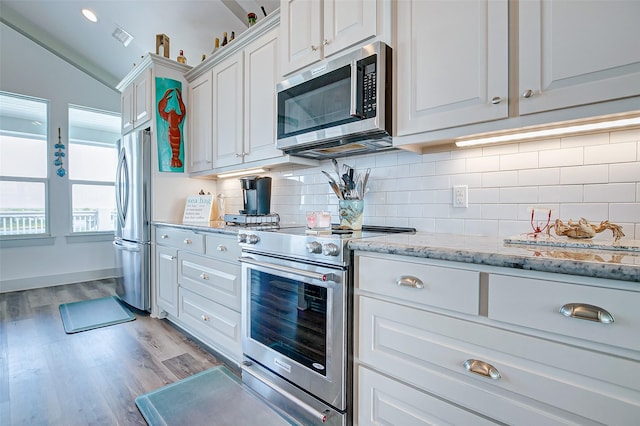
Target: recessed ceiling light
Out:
[90,15]
[122,36]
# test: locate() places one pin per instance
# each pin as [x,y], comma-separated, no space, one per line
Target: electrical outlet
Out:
[461,196]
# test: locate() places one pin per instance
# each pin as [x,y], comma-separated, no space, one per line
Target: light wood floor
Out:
[48,377]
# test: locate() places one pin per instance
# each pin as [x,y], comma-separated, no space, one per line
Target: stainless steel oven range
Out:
[297,320]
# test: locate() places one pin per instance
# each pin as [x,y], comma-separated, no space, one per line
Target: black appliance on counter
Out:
[256,195]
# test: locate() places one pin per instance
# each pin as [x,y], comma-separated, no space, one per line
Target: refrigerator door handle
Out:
[119,246]
[122,188]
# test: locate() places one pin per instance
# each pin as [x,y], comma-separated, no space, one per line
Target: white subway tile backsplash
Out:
[519,194]
[592,176]
[624,212]
[550,176]
[584,174]
[611,192]
[561,157]
[483,164]
[624,172]
[561,194]
[519,161]
[613,153]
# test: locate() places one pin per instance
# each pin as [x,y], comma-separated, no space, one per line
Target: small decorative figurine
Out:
[162,40]
[59,154]
[583,229]
[181,58]
[252,18]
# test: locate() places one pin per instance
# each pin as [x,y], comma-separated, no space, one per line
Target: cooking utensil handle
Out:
[307,274]
[320,416]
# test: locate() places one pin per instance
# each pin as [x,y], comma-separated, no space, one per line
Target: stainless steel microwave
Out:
[338,108]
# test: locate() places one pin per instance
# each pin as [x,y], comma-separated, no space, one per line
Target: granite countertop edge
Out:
[211,227]
[516,257]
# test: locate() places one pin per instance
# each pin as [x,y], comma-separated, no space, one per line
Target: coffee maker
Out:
[256,195]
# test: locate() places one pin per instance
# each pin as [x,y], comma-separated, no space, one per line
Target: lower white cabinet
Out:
[197,284]
[419,362]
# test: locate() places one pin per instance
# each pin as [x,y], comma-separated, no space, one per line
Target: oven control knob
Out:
[242,238]
[252,239]
[330,249]
[314,247]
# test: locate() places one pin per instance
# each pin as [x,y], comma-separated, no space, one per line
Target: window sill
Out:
[27,241]
[89,237]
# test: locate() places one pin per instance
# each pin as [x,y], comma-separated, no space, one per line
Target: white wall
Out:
[592,176]
[28,69]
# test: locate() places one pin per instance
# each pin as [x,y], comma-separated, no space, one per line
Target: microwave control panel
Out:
[367,80]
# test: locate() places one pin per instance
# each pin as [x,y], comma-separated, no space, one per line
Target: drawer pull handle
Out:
[187,241]
[204,317]
[204,276]
[164,236]
[586,312]
[409,281]
[482,368]
[221,248]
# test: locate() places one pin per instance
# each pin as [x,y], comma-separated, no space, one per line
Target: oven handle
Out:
[308,274]
[321,416]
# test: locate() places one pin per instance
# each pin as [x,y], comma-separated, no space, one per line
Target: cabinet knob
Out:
[221,248]
[204,276]
[204,317]
[409,281]
[496,100]
[587,312]
[164,236]
[314,48]
[527,93]
[482,368]
[325,42]
[187,241]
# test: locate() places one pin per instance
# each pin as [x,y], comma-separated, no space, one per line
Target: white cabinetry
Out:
[452,64]
[424,358]
[136,102]
[200,129]
[314,29]
[575,53]
[198,286]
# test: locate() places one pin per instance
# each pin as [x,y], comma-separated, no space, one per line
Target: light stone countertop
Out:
[611,264]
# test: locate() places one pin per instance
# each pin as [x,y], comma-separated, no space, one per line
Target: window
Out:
[23,165]
[92,160]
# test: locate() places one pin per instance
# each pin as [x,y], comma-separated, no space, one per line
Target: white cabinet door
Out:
[227,110]
[260,112]
[127,109]
[347,23]
[136,102]
[452,63]
[167,279]
[574,53]
[200,131]
[301,33]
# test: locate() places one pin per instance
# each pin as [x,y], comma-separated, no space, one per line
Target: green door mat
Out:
[212,397]
[89,314]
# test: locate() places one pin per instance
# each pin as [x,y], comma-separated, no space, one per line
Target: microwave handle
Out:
[353,109]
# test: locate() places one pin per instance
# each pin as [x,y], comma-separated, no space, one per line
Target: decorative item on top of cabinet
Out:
[181,58]
[314,29]
[162,40]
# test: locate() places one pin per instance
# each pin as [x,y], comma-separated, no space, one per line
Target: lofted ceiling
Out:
[191,25]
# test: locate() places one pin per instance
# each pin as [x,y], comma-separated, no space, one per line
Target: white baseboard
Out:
[53,280]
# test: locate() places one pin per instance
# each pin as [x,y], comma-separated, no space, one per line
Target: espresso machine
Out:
[256,195]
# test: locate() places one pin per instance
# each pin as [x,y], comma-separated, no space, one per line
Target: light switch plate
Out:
[461,196]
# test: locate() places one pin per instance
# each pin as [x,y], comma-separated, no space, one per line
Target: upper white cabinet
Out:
[452,63]
[314,29]
[136,102]
[200,130]
[576,53]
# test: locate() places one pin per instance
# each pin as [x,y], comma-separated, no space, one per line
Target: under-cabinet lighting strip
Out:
[545,133]
[241,173]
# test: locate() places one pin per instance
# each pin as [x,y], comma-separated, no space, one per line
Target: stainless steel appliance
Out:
[132,237]
[341,107]
[297,320]
[256,195]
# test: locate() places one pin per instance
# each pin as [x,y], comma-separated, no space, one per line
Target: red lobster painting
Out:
[173,119]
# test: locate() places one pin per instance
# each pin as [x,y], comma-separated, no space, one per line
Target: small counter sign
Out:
[199,208]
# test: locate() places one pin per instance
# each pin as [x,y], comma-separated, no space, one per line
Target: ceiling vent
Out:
[122,36]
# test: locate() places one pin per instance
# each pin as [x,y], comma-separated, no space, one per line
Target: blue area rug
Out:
[212,397]
[95,313]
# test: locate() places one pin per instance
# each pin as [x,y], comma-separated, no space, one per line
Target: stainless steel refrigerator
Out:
[133,231]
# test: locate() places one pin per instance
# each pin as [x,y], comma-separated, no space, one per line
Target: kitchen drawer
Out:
[429,350]
[180,238]
[536,303]
[223,247]
[213,323]
[211,278]
[384,401]
[447,288]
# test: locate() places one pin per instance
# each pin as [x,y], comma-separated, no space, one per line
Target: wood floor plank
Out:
[48,377]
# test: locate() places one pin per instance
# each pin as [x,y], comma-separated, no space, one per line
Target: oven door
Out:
[295,323]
